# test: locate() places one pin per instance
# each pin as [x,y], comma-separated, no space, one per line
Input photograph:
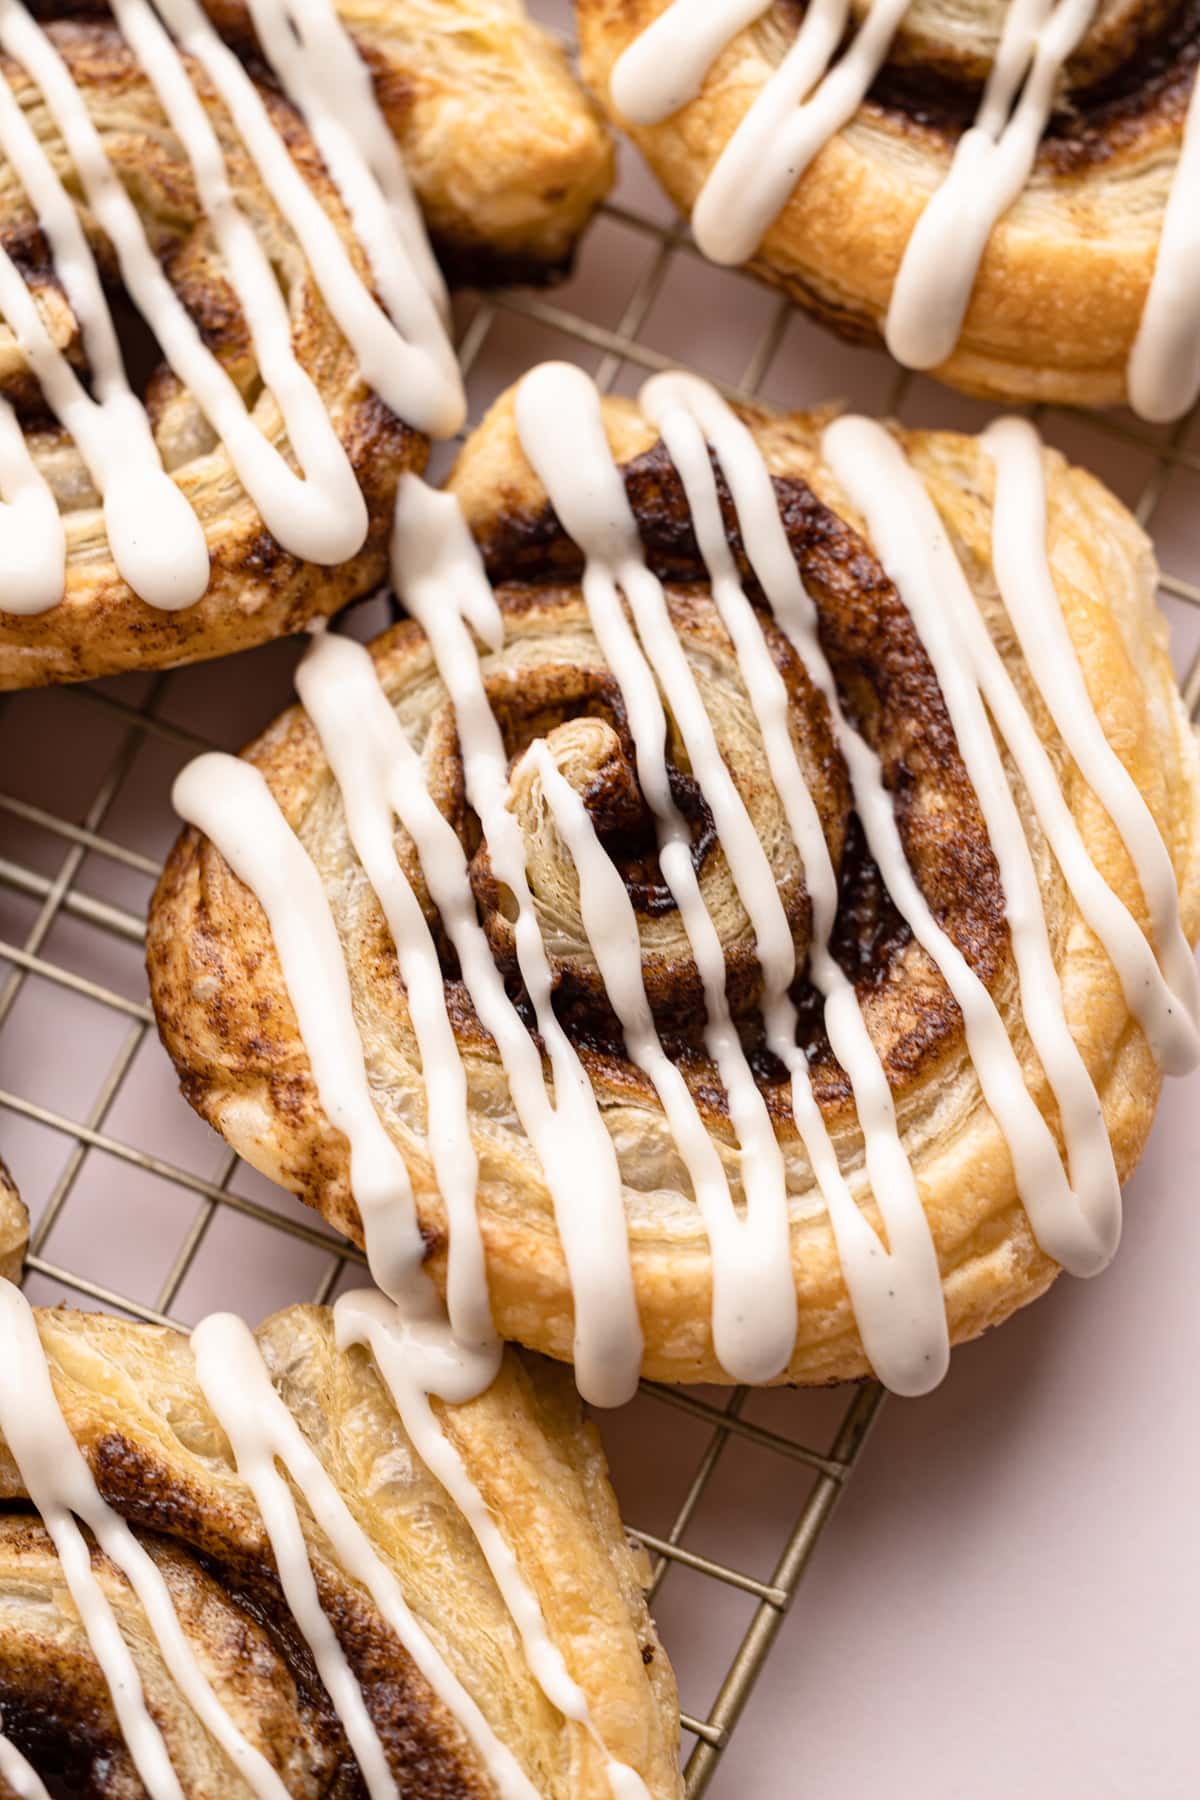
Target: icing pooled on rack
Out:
[319,513]
[814,93]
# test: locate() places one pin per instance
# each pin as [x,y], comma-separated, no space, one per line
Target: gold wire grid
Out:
[819,1477]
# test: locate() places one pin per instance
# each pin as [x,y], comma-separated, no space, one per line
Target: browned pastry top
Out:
[892,695]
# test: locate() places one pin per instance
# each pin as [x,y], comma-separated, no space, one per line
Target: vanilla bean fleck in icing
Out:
[319,513]
[814,93]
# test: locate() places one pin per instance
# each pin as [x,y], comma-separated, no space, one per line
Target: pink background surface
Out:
[1007,1599]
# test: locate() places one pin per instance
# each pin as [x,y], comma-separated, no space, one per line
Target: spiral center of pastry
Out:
[577,714]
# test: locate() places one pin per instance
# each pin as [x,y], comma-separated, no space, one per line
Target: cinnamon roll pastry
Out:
[1005,195]
[259,217]
[506,154]
[226,1569]
[14,1227]
[741,916]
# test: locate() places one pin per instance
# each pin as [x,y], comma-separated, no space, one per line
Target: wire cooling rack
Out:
[139,1208]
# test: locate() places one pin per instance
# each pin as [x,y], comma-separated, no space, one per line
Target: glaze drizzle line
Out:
[1165,1000]
[561,431]
[896,1294]
[438,571]
[1079,1225]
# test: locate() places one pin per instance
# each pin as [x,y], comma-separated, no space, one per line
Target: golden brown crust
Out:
[452,75]
[130,1398]
[507,155]
[1061,286]
[14,1228]
[227,1021]
[256,591]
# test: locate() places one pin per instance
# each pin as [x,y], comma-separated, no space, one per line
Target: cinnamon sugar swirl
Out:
[278,1596]
[1006,195]
[735,928]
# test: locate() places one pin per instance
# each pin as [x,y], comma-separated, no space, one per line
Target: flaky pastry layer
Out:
[131,1400]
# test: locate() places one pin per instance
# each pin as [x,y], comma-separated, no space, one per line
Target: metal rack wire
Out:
[59,885]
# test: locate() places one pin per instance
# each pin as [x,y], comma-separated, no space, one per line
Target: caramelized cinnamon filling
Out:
[1128,80]
[889,691]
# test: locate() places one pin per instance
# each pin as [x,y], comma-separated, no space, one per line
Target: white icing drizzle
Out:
[438,572]
[1041,1178]
[1164,368]
[809,97]
[24,1781]
[665,66]
[260,1429]
[1077,1224]
[897,1296]
[263,1433]
[366,1318]
[329,487]
[561,430]
[156,540]
[325,78]
[372,760]
[417,386]
[802,106]
[297,512]
[1166,1001]
[228,800]
[991,165]
[33,541]
[60,1485]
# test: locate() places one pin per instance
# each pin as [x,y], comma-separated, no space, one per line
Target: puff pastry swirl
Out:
[950,1077]
[988,187]
[130,1397]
